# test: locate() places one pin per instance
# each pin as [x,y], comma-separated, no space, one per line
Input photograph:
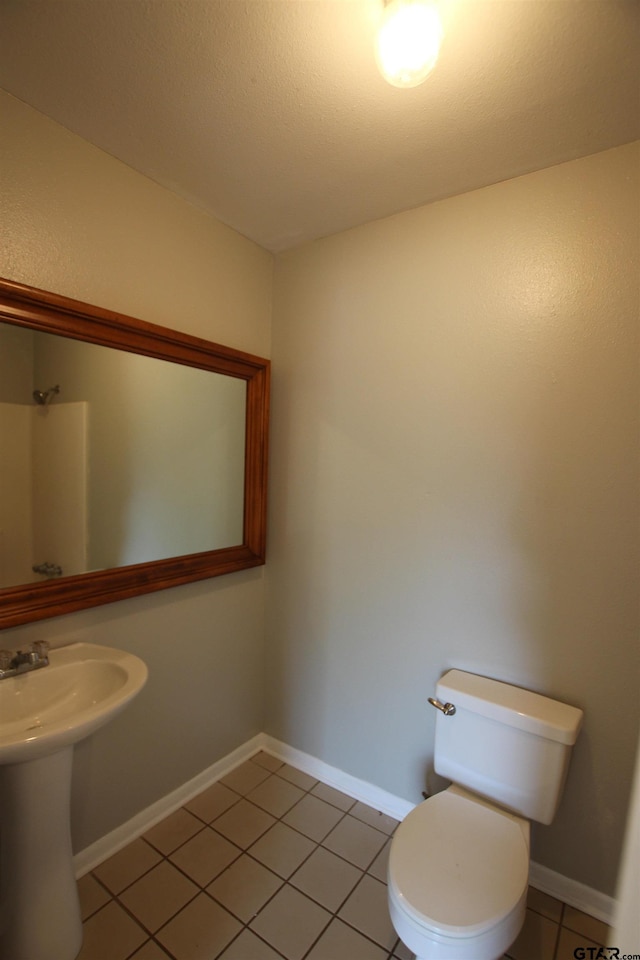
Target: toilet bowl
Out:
[459,862]
[458,877]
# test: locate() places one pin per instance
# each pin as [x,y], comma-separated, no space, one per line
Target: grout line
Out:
[152,933]
[333,915]
[558,932]
[166,856]
[152,939]
[256,934]
[102,905]
[280,819]
[245,923]
[307,792]
[284,882]
[320,935]
[145,873]
[556,945]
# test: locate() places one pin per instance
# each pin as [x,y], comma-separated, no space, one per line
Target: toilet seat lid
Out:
[458,865]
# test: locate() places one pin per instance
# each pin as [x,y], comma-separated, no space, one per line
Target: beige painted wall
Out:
[454,482]
[453,474]
[82,224]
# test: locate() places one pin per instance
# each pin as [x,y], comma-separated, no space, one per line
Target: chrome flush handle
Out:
[447,708]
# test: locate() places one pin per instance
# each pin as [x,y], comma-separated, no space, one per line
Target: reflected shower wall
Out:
[60,486]
[160,473]
[166,455]
[43,490]
[16,519]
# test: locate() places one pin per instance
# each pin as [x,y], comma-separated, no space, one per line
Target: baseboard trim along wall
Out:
[111,843]
[358,789]
[576,894]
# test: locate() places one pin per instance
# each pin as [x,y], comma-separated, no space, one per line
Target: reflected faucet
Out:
[47,569]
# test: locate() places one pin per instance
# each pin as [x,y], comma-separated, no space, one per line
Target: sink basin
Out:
[43,713]
[83,687]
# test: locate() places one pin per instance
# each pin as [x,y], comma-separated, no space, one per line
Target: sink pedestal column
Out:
[39,907]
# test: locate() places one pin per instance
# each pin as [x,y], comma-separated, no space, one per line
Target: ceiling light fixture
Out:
[408,41]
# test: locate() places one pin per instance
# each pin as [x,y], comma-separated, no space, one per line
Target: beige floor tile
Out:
[212,802]
[570,942]
[298,777]
[173,831]
[291,922]
[582,923]
[267,761]
[373,817]
[275,795]
[111,934]
[157,896]
[367,910]
[537,939]
[326,878]
[380,866]
[249,947]
[127,865]
[295,918]
[402,952]
[205,856]
[333,796]
[357,842]
[200,931]
[92,895]
[150,951]
[282,849]
[544,904]
[245,777]
[313,817]
[244,887]
[243,823]
[340,942]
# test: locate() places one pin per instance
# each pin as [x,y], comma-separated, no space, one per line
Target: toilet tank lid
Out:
[511,705]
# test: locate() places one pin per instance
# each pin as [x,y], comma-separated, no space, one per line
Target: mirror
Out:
[132,457]
[91,463]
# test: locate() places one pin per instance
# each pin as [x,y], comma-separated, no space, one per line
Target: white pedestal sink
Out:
[42,714]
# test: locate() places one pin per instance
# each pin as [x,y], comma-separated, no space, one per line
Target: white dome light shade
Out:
[408,41]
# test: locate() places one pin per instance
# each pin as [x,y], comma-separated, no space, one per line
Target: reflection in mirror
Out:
[132,457]
[125,459]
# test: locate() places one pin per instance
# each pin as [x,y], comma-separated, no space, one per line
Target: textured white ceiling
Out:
[270,114]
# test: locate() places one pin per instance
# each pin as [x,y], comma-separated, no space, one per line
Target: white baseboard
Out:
[576,894]
[358,789]
[106,846]
[570,891]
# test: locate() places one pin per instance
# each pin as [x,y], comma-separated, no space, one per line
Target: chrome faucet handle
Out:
[6,657]
[41,648]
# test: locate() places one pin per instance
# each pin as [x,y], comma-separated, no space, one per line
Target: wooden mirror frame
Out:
[35,309]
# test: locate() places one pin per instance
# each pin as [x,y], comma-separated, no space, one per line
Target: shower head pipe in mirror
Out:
[52,313]
[44,397]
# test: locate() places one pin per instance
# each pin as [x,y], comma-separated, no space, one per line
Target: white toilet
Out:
[459,862]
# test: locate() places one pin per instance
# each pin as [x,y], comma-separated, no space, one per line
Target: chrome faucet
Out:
[13,663]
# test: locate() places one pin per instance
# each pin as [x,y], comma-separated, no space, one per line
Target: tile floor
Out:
[270,863]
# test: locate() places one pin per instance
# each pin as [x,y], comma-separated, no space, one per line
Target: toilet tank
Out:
[505,743]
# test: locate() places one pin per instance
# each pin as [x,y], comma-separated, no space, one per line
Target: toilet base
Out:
[429,945]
